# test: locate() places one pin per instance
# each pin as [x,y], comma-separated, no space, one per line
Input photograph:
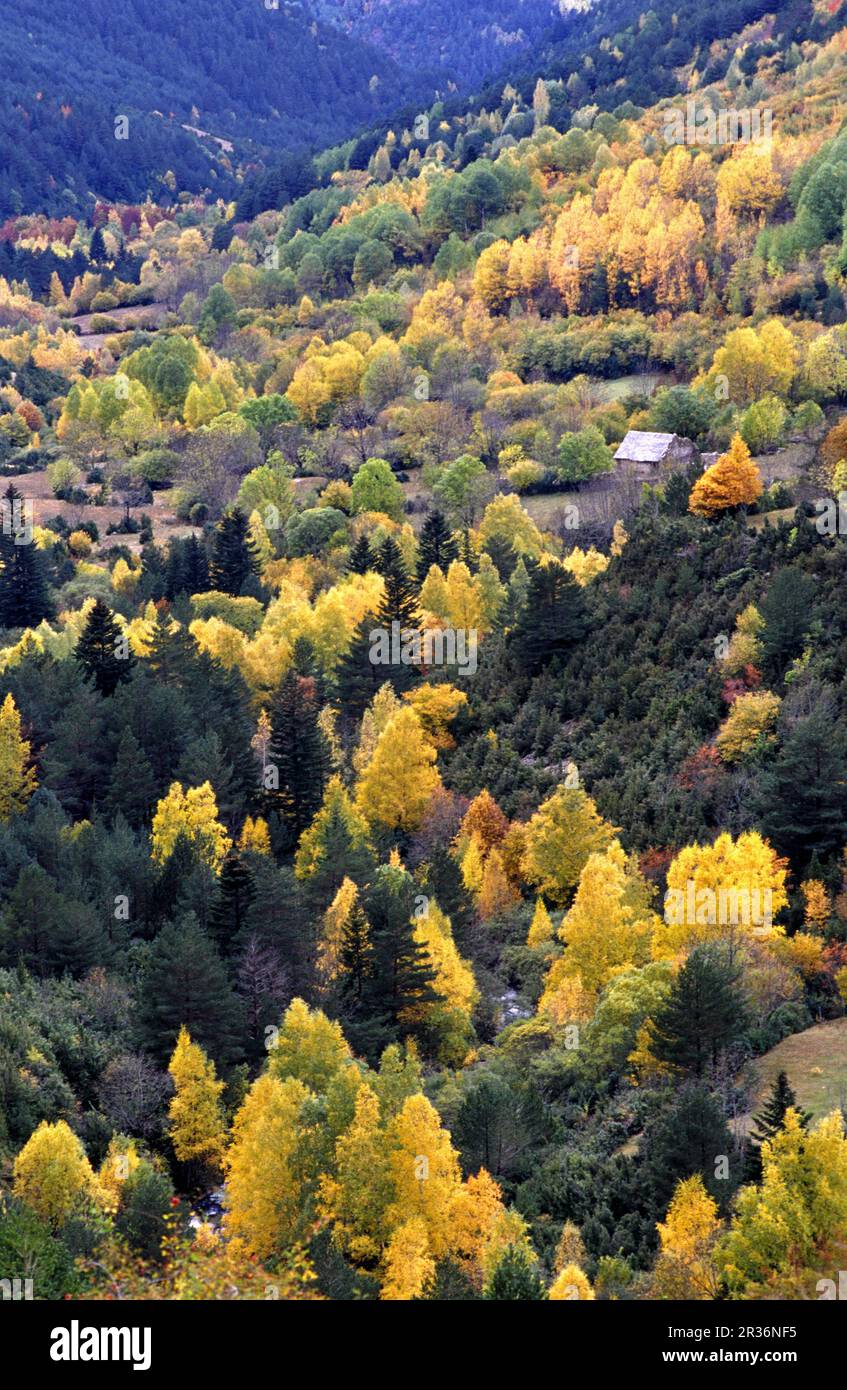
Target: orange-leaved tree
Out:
[733,481]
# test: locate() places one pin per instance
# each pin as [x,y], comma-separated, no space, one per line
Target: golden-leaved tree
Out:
[609,926]
[193,814]
[449,1015]
[195,1116]
[52,1174]
[571,1286]
[732,481]
[686,1265]
[782,1229]
[400,778]
[564,831]
[540,928]
[17,776]
[727,886]
[264,1189]
[751,720]
[484,819]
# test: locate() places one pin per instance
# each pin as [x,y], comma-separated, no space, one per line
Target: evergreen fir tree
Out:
[436,545]
[356,952]
[552,620]
[187,570]
[514,1278]
[688,1137]
[153,584]
[343,854]
[400,975]
[767,1123]
[703,1013]
[132,790]
[195,567]
[103,651]
[503,556]
[357,678]
[49,932]
[400,603]
[802,800]
[467,554]
[304,660]
[361,557]
[97,246]
[234,559]
[298,757]
[185,984]
[172,651]
[228,917]
[24,594]
[399,606]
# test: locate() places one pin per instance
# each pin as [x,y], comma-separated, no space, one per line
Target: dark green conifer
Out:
[103,651]
[234,558]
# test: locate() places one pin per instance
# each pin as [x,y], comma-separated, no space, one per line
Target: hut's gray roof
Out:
[645,446]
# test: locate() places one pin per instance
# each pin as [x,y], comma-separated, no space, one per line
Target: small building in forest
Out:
[651,456]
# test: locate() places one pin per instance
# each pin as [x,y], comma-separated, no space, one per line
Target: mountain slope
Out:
[276,77]
[461,44]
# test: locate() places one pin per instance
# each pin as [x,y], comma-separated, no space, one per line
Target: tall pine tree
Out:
[234,559]
[103,651]
[361,557]
[767,1123]
[357,678]
[553,617]
[228,917]
[703,1013]
[436,545]
[298,756]
[400,602]
[24,594]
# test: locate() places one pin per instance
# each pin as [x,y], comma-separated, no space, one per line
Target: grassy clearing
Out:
[773,518]
[815,1063]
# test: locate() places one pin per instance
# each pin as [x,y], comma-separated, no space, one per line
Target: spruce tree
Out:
[436,545]
[767,1123]
[132,790]
[356,952]
[339,849]
[514,1278]
[97,246]
[186,983]
[172,651]
[687,1138]
[503,555]
[228,917]
[357,678]
[187,570]
[304,660]
[703,1013]
[298,757]
[50,932]
[399,606]
[153,585]
[788,609]
[234,558]
[802,799]
[400,602]
[400,976]
[103,651]
[195,567]
[467,554]
[24,594]
[553,618]
[361,557]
